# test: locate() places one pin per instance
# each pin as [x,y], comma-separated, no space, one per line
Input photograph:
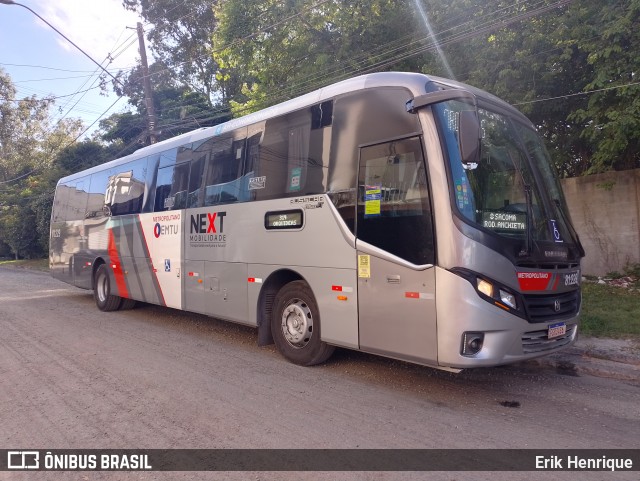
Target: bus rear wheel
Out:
[102,291]
[295,325]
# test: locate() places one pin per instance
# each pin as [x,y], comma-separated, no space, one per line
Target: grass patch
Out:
[35,264]
[609,311]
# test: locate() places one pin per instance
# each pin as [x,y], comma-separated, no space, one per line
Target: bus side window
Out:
[172,183]
[77,200]
[60,202]
[195,194]
[223,172]
[298,158]
[97,204]
[171,187]
[127,188]
[291,160]
[271,167]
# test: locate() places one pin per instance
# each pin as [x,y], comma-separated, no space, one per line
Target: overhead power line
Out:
[389,56]
[11,2]
[576,94]
[52,97]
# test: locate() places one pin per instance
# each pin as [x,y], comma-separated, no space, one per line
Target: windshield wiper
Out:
[528,240]
[569,226]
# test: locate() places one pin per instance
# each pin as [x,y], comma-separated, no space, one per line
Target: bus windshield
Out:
[511,191]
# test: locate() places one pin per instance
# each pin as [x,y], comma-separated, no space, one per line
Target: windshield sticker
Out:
[554,231]
[372,198]
[509,221]
[462,193]
[257,183]
[169,202]
[294,181]
[364,266]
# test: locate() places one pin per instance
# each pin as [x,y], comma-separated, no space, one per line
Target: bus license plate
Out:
[557,330]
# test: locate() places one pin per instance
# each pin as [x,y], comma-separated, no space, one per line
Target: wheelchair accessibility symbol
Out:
[555,231]
[167,265]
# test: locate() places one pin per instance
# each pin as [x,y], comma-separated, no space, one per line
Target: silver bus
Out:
[394,213]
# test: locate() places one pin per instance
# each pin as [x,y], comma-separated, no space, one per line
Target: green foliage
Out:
[23,128]
[565,66]
[571,67]
[609,311]
[16,225]
[284,49]
[178,109]
[589,47]
[33,156]
[126,131]
[33,264]
[180,36]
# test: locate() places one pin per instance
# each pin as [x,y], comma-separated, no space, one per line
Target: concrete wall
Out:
[605,209]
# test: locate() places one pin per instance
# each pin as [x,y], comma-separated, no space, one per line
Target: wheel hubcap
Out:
[101,288]
[297,323]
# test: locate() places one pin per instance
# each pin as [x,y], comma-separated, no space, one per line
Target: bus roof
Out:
[415,82]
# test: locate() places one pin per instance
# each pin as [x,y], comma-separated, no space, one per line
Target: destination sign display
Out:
[499,220]
[285,219]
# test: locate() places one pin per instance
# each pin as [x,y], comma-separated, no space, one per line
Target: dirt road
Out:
[75,377]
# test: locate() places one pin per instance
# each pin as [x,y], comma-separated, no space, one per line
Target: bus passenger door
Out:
[396,277]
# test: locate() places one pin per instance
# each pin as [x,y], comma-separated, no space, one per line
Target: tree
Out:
[178,110]
[284,49]
[28,170]
[610,118]
[18,232]
[125,131]
[180,38]
[23,127]
[565,65]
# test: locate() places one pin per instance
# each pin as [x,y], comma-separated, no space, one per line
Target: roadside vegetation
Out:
[611,305]
[34,264]
[610,311]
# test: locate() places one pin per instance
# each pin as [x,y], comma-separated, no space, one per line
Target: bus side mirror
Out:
[469,136]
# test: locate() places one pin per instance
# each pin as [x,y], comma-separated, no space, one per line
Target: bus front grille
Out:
[546,308]
[538,341]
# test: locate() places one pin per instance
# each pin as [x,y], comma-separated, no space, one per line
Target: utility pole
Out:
[148,99]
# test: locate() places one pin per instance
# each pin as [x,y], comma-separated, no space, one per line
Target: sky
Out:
[42,63]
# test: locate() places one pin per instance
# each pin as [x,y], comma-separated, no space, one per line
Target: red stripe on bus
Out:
[153,269]
[114,257]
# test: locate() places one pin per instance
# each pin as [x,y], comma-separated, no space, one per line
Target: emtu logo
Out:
[160,229]
[206,223]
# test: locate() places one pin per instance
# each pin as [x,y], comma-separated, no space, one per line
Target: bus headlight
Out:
[493,292]
[485,287]
[508,298]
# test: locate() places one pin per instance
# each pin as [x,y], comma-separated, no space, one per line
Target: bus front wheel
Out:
[295,325]
[102,291]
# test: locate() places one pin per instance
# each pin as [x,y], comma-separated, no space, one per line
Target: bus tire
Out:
[295,325]
[102,291]
[127,304]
